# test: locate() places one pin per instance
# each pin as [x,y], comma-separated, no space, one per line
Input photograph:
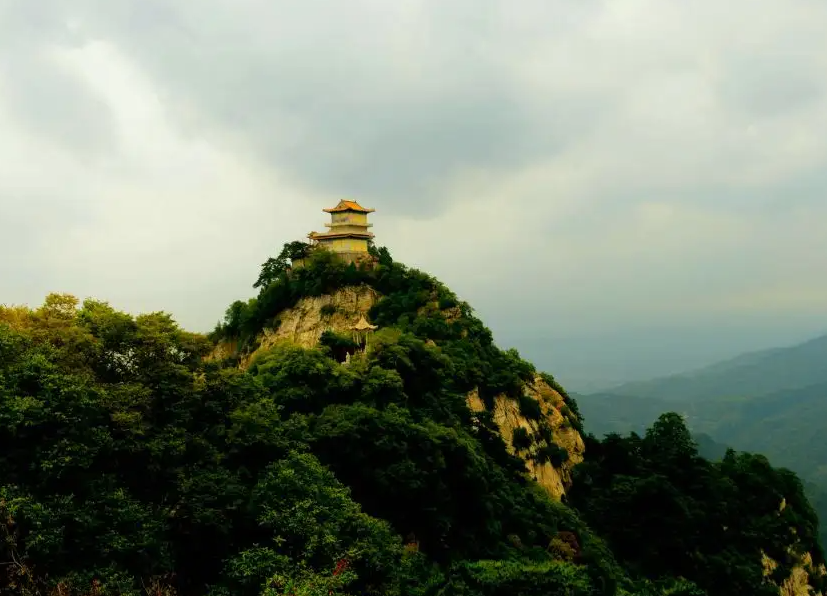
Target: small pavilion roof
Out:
[348,206]
[363,325]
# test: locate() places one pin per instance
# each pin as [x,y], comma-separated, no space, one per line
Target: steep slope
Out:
[531,414]
[554,472]
[553,445]
[303,323]
[755,374]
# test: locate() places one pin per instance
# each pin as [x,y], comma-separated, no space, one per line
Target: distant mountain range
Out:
[772,402]
[748,375]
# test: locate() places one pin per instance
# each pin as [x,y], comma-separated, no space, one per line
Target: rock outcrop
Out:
[507,416]
[798,583]
[305,322]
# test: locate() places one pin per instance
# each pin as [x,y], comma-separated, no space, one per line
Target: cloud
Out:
[567,167]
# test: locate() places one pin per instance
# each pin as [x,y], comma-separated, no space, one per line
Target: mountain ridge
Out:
[754,373]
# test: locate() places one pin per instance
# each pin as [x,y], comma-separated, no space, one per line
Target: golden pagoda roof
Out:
[348,206]
[362,325]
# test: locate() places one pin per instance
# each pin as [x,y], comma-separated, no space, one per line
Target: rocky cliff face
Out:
[508,418]
[310,317]
[304,323]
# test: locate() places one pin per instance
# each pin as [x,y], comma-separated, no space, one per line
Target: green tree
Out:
[316,532]
[273,268]
[667,512]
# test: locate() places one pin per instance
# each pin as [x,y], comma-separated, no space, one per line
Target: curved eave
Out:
[316,236]
[342,209]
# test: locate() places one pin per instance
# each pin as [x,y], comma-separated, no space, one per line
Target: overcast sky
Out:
[640,170]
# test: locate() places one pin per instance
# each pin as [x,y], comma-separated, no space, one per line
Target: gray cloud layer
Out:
[570,167]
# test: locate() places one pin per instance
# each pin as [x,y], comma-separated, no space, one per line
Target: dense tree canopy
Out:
[667,511]
[129,463]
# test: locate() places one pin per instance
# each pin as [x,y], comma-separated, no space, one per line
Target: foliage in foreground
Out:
[786,425]
[127,461]
[667,511]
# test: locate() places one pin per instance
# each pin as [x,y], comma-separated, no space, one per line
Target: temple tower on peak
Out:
[348,232]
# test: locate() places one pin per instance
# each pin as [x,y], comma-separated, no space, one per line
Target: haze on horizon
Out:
[621,189]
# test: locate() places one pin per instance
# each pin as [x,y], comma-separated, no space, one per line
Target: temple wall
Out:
[348,229]
[345,245]
[358,219]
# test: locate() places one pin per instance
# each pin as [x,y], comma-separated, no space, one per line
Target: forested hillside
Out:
[787,425]
[135,461]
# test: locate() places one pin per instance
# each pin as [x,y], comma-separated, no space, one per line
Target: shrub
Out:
[506,578]
[447,301]
[521,439]
[530,407]
[544,432]
[552,453]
